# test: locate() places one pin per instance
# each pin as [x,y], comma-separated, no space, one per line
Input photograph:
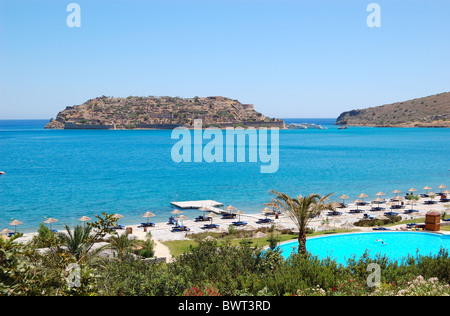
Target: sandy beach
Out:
[162,231]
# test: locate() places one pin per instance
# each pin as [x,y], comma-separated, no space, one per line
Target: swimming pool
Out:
[395,245]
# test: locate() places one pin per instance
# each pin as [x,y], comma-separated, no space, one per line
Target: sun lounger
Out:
[446,219]
[202,219]
[180,229]
[210,226]
[239,223]
[380,228]
[116,227]
[147,225]
[411,211]
[377,209]
[391,213]
[264,220]
[356,211]
[228,216]
[334,213]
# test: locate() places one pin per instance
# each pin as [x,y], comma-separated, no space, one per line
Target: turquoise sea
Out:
[66,174]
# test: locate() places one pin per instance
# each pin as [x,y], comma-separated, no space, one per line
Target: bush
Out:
[377,222]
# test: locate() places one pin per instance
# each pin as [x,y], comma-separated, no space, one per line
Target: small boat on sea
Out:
[305,126]
[2,172]
[343,127]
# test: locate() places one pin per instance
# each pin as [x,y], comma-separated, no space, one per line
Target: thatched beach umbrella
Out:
[378,200]
[427,188]
[432,195]
[176,212]
[362,196]
[6,232]
[380,194]
[84,219]
[182,218]
[230,208]
[333,205]
[211,216]
[357,203]
[343,197]
[396,192]
[412,190]
[239,213]
[266,211]
[398,199]
[118,216]
[442,187]
[50,221]
[148,215]
[15,223]
[204,209]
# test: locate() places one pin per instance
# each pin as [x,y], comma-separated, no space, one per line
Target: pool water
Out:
[395,245]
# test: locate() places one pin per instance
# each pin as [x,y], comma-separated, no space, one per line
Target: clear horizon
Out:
[291,59]
[287,118]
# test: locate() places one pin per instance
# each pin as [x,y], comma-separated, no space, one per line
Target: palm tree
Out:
[300,210]
[121,244]
[76,241]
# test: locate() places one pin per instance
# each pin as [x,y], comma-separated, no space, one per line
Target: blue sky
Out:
[289,58]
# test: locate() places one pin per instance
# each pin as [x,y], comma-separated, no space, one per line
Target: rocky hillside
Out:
[159,113]
[432,111]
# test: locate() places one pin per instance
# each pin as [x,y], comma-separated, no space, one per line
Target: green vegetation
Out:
[227,266]
[431,111]
[132,111]
[392,220]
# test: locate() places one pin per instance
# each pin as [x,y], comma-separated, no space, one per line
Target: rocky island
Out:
[432,111]
[160,113]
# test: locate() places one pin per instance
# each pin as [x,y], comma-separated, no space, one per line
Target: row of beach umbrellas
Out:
[396,192]
[232,209]
[51,220]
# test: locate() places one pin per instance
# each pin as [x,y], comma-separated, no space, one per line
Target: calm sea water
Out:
[66,174]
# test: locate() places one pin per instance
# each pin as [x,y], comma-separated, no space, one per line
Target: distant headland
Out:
[432,111]
[160,113]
